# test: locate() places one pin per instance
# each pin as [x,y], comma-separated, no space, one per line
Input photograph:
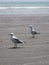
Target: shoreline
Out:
[25,14]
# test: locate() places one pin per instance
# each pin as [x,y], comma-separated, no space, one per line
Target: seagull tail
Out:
[38,32]
[24,42]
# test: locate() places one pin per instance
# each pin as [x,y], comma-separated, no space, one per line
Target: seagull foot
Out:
[33,37]
[14,47]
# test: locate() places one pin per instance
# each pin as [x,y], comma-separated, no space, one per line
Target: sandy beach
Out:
[35,51]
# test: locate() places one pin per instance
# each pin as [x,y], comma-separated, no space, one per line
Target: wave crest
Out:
[23,7]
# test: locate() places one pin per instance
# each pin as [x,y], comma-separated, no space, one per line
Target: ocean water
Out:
[24,7]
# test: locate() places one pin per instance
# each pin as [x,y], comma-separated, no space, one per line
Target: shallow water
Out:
[24,7]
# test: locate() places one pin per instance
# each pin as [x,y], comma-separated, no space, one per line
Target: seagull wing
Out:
[35,32]
[16,40]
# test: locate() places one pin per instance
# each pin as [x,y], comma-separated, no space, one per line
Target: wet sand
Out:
[35,51]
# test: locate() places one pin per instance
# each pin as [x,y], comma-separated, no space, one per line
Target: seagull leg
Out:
[15,45]
[33,36]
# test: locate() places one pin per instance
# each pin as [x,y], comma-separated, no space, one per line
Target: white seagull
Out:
[15,40]
[32,31]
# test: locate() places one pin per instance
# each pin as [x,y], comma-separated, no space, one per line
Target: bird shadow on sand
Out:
[32,37]
[15,47]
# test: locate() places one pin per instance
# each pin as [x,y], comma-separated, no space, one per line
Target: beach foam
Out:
[23,7]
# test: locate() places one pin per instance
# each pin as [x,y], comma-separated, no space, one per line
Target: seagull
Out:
[15,40]
[32,31]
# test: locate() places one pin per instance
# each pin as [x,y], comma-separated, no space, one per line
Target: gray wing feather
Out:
[16,40]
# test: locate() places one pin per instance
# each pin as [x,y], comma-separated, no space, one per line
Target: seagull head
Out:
[30,26]
[12,34]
